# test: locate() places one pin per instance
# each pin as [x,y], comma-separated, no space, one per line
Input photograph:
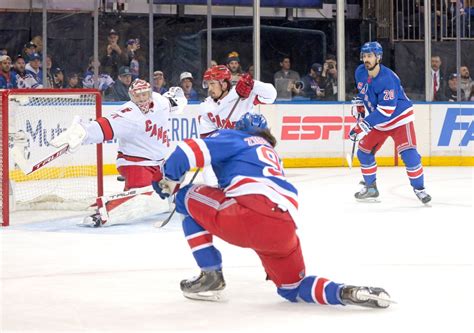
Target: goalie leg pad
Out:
[126,210]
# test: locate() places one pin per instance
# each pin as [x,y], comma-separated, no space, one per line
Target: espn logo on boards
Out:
[315,127]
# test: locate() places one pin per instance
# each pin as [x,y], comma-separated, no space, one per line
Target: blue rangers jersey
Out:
[244,164]
[384,99]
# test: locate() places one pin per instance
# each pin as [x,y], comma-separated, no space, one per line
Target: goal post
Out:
[30,119]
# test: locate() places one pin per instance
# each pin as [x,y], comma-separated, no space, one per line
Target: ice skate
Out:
[205,287]
[92,221]
[369,297]
[422,195]
[368,193]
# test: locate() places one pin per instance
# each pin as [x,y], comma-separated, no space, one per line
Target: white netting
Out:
[70,181]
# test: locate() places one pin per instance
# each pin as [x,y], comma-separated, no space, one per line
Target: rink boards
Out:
[314,134]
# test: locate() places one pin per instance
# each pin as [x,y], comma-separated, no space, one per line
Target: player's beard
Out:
[367,66]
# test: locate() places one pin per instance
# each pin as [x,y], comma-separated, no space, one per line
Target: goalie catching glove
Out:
[359,131]
[163,186]
[73,136]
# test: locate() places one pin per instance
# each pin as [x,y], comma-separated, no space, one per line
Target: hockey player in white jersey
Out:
[142,128]
[214,112]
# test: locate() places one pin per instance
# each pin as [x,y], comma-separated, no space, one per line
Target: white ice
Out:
[57,277]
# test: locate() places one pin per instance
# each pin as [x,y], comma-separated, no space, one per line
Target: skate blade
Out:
[209,296]
[382,301]
[369,200]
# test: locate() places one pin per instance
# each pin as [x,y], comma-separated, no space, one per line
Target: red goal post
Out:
[30,118]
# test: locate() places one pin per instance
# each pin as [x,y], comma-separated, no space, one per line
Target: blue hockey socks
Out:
[412,161]
[368,167]
[313,289]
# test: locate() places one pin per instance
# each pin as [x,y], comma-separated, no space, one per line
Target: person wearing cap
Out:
[449,93]
[28,50]
[313,83]
[24,80]
[112,58]
[7,76]
[159,82]
[119,90]
[33,67]
[133,45]
[233,64]
[186,83]
[58,78]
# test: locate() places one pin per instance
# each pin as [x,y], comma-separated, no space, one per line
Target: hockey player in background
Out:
[254,207]
[383,110]
[215,110]
[142,128]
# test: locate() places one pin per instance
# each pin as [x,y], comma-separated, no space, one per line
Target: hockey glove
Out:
[164,186]
[358,108]
[244,86]
[73,136]
[359,131]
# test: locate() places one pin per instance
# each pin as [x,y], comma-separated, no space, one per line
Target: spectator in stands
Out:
[437,76]
[286,80]
[329,76]
[33,67]
[251,70]
[119,90]
[159,83]
[466,81]
[29,49]
[471,97]
[49,74]
[186,83]
[38,41]
[113,57]
[313,83]
[58,78]
[7,76]
[450,91]
[132,58]
[24,80]
[73,81]
[3,52]
[233,63]
[105,80]
[213,63]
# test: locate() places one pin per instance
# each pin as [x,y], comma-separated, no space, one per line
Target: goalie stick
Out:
[161,224]
[29,168]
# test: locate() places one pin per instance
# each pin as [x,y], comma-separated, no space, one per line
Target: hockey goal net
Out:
[30,119]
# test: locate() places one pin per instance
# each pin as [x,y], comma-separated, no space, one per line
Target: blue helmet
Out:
[372,47]
[251,122]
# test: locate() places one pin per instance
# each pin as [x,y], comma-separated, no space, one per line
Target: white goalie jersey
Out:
[143,139]
[213,115]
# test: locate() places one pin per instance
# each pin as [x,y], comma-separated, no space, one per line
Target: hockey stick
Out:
[350,158]
[29,168]
[161,224]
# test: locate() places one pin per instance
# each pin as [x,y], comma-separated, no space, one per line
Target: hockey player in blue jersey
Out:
[383,110]
[254,207]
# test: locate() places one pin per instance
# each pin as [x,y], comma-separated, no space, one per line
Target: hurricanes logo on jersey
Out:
[156,131]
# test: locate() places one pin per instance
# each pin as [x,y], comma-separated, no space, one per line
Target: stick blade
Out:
[349,160]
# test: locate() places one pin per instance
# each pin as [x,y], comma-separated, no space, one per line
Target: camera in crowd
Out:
[299,85]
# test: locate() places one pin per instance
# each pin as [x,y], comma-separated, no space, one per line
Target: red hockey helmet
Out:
[218,73]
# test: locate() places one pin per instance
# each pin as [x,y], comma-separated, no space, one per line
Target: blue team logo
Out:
[451,124]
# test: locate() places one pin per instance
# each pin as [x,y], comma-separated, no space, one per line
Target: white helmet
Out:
[140,94]
[177,99]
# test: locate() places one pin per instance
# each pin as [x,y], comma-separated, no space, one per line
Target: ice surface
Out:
[57,277]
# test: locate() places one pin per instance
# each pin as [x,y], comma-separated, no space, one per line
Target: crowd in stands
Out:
[119,66]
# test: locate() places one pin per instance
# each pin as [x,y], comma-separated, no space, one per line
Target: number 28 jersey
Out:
[244,164]
[385,101]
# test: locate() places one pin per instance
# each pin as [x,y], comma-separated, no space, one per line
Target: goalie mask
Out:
[177,99]
[140,94]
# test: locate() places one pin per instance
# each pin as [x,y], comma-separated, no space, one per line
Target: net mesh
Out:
[70,181]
